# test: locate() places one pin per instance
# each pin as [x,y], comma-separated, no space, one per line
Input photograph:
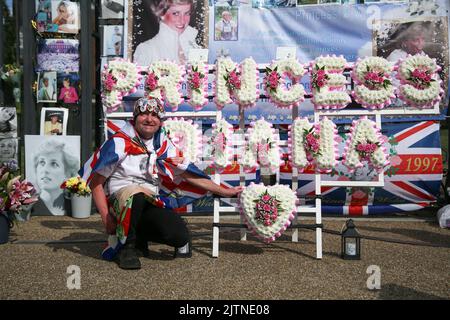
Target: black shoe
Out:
[142,248]
[128,259]
[183,252]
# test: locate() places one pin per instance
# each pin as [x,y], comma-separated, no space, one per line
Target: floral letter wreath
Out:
[420,84]
[164,82]
[241,85]
[198,84]
[328,83]
[119,78]
[267,211]
[276,89]
[186,136]
[313,143]
[222,151]
[373,88]
[262,147]
[365,144]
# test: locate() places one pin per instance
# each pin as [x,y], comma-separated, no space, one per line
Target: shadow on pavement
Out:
[92,250]
[73,225]
[396,292]
[421,235]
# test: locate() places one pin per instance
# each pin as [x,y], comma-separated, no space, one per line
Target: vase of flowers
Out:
[80,195]
[17,196]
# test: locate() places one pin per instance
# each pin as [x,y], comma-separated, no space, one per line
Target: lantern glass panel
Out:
[350,246]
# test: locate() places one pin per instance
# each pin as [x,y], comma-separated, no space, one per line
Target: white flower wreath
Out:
[267,211]
[276,89]
[261,149]
[328,82]
[313,144]
[238,84]
[221,142]
[420,86]
[186,136]
[373,89]
[169,76]
[365,144]
[119,78]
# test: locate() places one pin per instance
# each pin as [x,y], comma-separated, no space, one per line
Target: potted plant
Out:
[17,196]
[80,194]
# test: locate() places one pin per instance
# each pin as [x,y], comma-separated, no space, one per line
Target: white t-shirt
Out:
[133,169]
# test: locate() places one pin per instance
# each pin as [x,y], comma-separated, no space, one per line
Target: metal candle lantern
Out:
[351,242]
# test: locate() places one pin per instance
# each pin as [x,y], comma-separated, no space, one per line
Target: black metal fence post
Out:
[87,74]
[29,111]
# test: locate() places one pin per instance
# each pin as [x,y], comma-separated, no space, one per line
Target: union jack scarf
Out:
[174,192]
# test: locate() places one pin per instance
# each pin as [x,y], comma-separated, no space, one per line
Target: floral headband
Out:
[152,105]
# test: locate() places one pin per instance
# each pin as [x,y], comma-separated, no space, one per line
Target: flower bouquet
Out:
[76,185]
[80,195]
[17,196]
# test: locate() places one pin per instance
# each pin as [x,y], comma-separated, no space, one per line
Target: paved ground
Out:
[244,270]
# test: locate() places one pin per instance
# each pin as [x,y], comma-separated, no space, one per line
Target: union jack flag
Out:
[412,182]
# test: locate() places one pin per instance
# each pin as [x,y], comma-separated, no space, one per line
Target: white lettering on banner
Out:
[375,15]
[74,280]
[374,280]
[236,82]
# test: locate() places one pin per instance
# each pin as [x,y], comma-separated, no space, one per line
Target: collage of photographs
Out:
[58,63]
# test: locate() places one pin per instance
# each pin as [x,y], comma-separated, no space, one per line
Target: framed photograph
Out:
[60,55]
[395,39]
[68,88]
[54,121]
[8,122]
[58,16]
[8,149]
[151,24]
[47,87]
[49,161]
[226,23]
[113,40]
[112,9]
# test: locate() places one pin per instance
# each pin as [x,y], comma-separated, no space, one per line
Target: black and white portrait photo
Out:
[112,9]
[49,161]
[47,87]
[8,150]
[8,122]
[54,121]
[167,29]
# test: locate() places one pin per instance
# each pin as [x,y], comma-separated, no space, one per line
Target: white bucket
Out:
[81,206]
